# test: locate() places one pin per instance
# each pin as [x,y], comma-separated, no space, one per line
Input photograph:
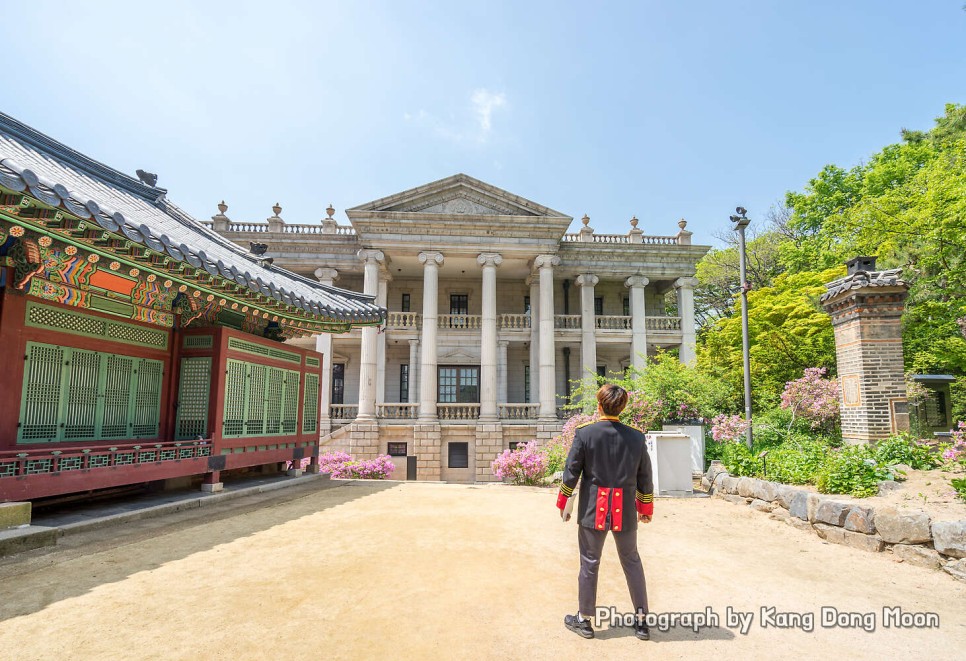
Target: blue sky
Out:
[661,110]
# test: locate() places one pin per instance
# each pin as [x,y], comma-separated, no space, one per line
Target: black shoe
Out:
[580,627]
[641,631]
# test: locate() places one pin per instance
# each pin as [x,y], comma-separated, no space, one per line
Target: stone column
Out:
[323,344]
[636,283]
[501,375]
[548,389]
[588,328]
[413,370]
[382,296]
[367,368]
[427,370]
[488,348]
[685,287]
[534,283]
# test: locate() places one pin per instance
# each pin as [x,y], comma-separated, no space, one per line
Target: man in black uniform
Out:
[613,461]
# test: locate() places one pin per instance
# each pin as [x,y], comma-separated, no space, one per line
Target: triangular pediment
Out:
[459,195]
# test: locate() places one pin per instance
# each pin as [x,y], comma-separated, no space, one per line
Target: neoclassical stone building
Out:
[493,311]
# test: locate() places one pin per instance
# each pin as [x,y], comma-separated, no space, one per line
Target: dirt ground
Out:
[373,570]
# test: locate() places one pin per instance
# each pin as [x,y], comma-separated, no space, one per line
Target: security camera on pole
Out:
[741,221]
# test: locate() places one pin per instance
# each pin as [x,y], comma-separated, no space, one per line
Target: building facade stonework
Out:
[494,311]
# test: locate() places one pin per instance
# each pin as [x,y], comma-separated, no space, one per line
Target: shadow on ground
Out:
[30,582]
[671,635]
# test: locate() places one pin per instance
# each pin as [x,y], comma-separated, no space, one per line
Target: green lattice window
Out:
[194,389]
[79,395]
[310,407]
[260,400]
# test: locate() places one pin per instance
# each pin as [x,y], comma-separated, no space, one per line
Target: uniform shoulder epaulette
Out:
[587,423]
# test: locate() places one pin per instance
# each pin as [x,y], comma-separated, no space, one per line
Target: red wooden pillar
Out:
[12,318]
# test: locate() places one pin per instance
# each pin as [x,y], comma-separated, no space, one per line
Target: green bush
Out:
[739,460]
[851,470]
[798,461]
[959,484]
[904,449]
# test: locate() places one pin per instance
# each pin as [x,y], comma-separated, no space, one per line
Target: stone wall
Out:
[910,535]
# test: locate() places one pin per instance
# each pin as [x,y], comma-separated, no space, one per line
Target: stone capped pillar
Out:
[534,283]
[548,390]
[866,307]
[685,286]
[323,344]
[382,296]
[431,262]
[488,347]
[501,373]
[588,328]
[413,370]
[367,370]
[637,283]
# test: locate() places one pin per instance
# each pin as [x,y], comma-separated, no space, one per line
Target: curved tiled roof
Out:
[35,164]
[859,279]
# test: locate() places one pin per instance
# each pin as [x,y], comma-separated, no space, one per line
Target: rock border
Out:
[910,535]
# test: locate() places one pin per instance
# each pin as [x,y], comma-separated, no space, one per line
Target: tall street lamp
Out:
[741,221]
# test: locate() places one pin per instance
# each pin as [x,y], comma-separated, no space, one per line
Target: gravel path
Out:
[374,570]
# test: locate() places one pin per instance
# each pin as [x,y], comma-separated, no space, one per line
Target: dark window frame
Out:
[338,383]
[459,304]
[404,383]
[462,457]
[599,306]
[405,303]
[393,449]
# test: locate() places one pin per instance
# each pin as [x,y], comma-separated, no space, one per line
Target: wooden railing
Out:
[20,463]
[663,323]
[397,411]
[613,322]
[459,321]
[404,320]
[514,321]
[458,411]
[519,411]
[343,411]
[566,321]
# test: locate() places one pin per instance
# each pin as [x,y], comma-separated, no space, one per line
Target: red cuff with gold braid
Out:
[645,503]
[565,493]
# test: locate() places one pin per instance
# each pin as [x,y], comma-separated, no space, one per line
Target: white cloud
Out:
[476,126]
[484,103]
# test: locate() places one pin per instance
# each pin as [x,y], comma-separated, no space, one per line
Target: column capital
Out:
[489,259]
[636,281]
[545,261]
[414,343]
[504,343]
[430,256]
[325,273]
[369,256]
[532,280]
[586,280]
[686,283]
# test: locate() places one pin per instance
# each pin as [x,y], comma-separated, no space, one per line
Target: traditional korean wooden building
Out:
[137,344]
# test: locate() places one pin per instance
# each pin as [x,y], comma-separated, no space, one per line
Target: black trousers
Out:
[591,543]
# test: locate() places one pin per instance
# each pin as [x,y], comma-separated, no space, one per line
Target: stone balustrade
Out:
[257,228]
[519,411]
[459,321]
[344,411]
[663,323]
[514,321]
[458,411]
[566,321]
[400,320]
[397,411]
[613,322]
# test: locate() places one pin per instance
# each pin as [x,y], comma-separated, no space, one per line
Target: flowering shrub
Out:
[641,411]
[525,465]
[813,397]
[726,428]
[956,452]
[342,466]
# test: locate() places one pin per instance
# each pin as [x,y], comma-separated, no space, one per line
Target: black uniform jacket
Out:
[612,459]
